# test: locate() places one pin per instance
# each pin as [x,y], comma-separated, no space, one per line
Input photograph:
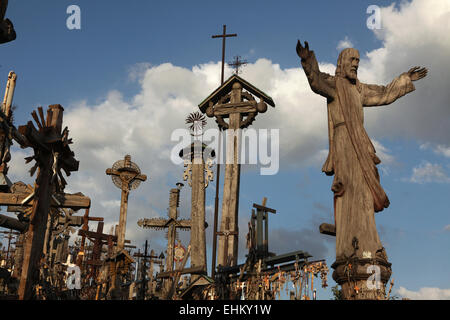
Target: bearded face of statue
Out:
[351,64]
[348,63]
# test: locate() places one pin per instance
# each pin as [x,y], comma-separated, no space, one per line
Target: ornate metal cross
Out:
[237,63]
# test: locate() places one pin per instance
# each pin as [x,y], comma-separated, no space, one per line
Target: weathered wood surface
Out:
[12,223]
[73,201]
[240,107]
[329,229]
[352,158]
[48,181]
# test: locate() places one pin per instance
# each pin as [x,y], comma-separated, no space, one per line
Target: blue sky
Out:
[140,65]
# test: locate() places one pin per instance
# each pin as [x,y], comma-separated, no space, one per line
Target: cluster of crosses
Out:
[46,214]
[42,264]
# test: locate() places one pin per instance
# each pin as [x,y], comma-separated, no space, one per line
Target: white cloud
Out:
[438,149]
[447,227]
[429,172]
[425,294]
[343,44]
[442,150]
[415,34]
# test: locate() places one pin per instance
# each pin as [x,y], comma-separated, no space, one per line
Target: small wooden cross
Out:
[85,227]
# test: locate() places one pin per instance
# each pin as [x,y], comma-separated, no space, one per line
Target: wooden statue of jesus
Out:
[352,159]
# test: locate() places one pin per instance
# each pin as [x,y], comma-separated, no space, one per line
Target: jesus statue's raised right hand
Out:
[303,53]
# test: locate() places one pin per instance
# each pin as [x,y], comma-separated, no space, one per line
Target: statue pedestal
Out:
[362,278]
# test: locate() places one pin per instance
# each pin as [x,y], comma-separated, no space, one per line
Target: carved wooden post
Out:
[230,101]
[198,161]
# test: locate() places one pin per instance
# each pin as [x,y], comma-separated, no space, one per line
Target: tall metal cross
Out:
[224,35]
[216,199]
[236,63]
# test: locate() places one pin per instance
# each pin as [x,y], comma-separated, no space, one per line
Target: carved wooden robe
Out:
[352,159]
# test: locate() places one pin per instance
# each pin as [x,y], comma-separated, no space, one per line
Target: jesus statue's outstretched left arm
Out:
[375,95]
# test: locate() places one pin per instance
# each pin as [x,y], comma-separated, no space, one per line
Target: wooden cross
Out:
[172,224]
[240,107]
[52,154]
[262,246]
[57,223]
[126,175]
[216,198]
[144,258]
[85,227]
[236,63]
[99,239]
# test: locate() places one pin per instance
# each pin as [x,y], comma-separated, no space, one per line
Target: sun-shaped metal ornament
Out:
[197,122]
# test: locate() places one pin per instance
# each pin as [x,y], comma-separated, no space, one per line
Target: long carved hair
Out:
[340,64]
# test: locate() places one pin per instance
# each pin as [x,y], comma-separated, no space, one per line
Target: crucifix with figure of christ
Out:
[127,176]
